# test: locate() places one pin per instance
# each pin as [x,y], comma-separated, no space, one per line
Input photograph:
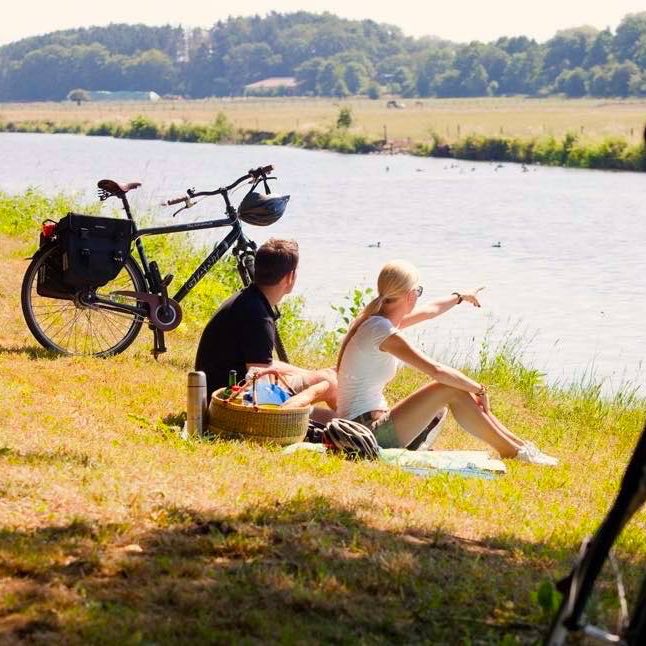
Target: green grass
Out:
[114,530]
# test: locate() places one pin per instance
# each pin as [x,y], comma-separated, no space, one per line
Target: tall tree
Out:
[628,36]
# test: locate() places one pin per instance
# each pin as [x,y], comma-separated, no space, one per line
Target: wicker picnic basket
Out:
[232,420]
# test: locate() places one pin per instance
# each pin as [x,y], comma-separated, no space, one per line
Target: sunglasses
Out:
[419,290]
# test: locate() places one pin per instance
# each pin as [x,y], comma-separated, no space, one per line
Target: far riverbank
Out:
[575,134]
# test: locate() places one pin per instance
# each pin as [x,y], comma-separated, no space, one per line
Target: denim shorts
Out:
[382,426]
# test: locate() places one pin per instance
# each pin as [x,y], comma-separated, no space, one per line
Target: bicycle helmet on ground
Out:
[262,210]
[353,439]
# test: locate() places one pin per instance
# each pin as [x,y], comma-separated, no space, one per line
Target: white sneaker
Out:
[531,454]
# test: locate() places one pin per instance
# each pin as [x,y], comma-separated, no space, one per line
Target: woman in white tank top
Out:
[371,352]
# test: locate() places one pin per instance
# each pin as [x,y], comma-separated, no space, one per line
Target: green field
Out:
[113,530]
[593,119]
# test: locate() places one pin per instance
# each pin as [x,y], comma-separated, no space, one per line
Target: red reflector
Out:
[49,229]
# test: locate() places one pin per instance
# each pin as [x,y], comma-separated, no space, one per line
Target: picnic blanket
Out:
[473,464]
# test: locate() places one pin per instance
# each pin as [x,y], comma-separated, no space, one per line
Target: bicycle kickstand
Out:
[159,346]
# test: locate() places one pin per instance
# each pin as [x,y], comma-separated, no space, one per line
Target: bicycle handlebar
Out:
[254,173]
[175,200]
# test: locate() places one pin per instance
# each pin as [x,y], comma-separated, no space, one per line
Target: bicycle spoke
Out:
[101,339]
[104,328]
[110,324]
[98,332]
[49,306]
[75,340]
[46,330]
[88,336]
[56,315]
[123,315]
[72,330]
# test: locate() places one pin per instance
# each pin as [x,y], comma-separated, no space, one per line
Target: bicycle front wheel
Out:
[69,327]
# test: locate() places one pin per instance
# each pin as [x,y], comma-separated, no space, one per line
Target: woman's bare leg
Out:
[412,414]
[503,429]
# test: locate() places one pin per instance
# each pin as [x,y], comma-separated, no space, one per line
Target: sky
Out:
[455,20]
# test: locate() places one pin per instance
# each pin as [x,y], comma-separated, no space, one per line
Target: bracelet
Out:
[460,299]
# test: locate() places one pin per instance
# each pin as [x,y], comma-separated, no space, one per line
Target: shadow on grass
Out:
[309,570]
[34,352]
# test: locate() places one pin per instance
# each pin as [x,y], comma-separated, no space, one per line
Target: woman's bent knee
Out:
[449,393]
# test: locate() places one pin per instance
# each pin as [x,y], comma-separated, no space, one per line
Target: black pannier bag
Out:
[94,249]
[50,281]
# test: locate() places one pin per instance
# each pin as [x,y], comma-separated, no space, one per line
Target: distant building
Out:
[273,86]
[122,95]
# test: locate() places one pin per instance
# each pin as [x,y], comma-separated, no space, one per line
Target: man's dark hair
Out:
[274,260]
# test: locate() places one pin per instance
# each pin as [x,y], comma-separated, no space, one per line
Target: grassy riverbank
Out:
[113,530]
[578,133]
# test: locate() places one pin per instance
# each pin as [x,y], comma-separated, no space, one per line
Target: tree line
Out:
[328,56]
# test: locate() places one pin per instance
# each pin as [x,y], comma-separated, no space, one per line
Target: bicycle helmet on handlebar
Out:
[351,438]
[262,210]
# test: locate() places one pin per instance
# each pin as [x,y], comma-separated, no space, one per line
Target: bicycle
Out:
[578,586]
[77,300]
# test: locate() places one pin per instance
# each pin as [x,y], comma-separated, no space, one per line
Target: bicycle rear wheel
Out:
[67,326]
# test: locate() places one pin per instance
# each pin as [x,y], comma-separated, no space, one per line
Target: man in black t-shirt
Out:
[242,333]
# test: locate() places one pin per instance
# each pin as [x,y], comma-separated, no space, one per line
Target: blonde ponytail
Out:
[395,279]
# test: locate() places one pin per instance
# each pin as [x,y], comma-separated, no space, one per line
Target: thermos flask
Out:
[196,405]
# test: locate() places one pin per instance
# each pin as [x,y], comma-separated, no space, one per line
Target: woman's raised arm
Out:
[430,311]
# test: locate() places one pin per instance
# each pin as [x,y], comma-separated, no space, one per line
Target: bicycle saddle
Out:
[115,188]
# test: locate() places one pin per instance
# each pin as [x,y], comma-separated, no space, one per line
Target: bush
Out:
[141,127]
[221,129]
[105,129]
[344,118]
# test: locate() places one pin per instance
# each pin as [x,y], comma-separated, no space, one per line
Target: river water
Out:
[559,251]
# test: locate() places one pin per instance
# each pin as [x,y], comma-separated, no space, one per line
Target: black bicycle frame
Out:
[219,250]
[235,235]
